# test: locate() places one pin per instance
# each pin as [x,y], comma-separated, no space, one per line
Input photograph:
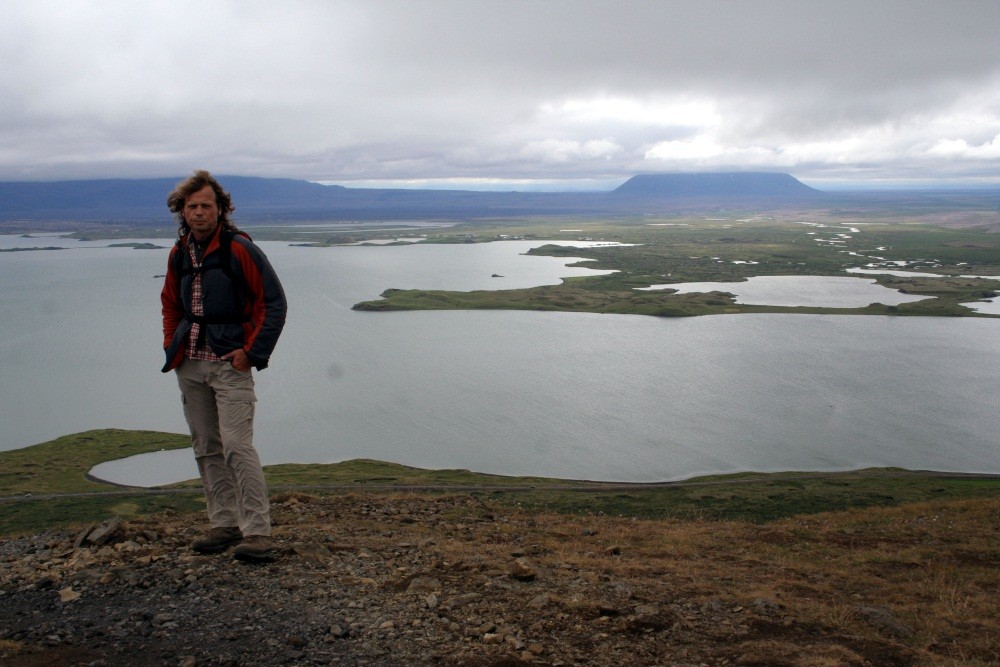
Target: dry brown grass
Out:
[923,577]
[910,585]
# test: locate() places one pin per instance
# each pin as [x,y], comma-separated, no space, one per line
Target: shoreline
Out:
[50,484]
[583,486]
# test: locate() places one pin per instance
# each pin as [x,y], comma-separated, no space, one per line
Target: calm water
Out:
[562,394]
[831,291]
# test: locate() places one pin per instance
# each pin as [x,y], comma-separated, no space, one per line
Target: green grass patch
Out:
[367,472]
[29,516]
[61,465]
[760,498]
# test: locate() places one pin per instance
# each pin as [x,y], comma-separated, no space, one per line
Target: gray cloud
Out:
[356,91]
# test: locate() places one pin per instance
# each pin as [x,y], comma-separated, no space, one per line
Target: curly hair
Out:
[191,185]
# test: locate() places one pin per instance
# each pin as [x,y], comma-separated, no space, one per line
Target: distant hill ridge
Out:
[280,199]
[739,184]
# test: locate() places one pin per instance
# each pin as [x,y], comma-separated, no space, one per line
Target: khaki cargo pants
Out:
[219,407]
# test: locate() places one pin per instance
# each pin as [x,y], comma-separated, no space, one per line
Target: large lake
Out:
[558,394]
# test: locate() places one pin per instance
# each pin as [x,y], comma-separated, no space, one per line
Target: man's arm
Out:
[269,304]
[170,300]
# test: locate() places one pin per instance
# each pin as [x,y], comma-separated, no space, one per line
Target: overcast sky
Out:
[470,92]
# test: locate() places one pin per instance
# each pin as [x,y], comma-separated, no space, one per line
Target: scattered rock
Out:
[316,553]
[81,537]
[538,601]
[522,570]
[68,595]
[423,585]
[105,532]
[883,620]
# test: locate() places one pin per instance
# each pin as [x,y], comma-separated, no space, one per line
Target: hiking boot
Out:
[255,549]
[218,539]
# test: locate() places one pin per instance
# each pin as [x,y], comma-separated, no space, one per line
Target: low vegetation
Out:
[656,250]
[61,465]
[47,485]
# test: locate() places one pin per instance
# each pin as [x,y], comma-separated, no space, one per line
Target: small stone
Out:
[86,574]
[103,533]
[646,610]
[522,570]
[539,601]
[423,585]
[883,620]
[482,630]
[314,552]
[81,536]
[431,601]
[68,595]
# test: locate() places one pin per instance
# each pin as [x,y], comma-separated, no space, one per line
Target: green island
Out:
[47,485]
[29,249]
[654,250]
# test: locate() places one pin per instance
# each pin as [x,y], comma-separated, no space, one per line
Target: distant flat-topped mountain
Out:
[276,200]
[737,184]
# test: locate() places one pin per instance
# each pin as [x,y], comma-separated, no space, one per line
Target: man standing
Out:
[223,310]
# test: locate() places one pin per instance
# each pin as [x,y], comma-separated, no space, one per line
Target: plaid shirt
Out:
[194,350]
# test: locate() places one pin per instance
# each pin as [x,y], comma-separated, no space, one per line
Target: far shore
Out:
[644,252]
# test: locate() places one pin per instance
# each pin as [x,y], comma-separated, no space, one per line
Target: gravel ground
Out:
[393,580]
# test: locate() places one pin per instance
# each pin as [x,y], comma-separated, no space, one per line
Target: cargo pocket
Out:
[236,411]
[235,400]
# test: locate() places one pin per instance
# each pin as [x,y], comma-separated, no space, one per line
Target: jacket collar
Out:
[210,245]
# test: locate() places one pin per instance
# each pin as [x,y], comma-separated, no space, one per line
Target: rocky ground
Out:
[442,580]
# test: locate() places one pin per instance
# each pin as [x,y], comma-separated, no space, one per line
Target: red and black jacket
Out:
[244,303]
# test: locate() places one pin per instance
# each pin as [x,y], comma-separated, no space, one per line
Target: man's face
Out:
[201,213]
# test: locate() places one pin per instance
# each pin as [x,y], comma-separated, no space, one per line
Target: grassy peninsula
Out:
[729,247]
